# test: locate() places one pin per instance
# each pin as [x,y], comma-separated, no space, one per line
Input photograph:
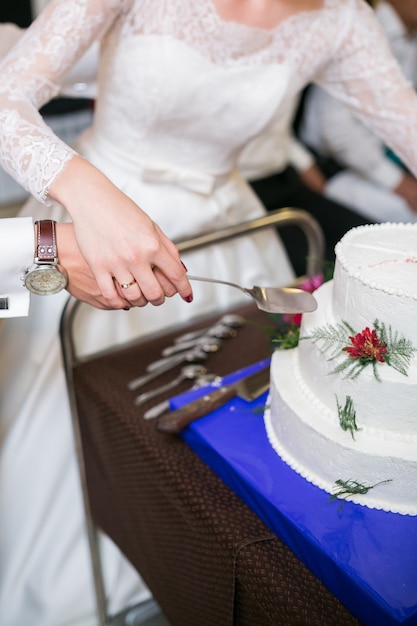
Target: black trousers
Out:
[286,189]
[18,11]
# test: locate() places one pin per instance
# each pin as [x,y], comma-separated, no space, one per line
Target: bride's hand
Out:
[81,282]
[129,256]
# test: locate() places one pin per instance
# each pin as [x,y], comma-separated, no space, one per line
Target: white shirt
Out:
[16,254]
[331,129]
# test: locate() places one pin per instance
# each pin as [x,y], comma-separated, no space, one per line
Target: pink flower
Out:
[310,284]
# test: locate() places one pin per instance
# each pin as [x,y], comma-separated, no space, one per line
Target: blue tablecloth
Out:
[367,558]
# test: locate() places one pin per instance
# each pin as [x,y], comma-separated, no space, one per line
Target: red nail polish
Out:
[126,308]
[184,266]
[189,298]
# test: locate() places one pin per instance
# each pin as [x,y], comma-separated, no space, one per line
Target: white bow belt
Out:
[162,173]
[197,182]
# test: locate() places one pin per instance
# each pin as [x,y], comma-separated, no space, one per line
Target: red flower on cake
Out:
[367,345]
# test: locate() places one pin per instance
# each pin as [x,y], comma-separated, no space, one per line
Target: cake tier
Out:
[376,276]
[385,408]
[307,435]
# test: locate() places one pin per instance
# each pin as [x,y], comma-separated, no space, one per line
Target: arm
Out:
[331,129]
[407,189]
[334,132]
[103,216]
[364,75]
[80,81]
[304,163]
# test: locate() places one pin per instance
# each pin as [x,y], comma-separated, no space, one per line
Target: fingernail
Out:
[189,298]
[126,308]
[184,266]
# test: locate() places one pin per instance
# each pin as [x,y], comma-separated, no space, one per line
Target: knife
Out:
[247,388]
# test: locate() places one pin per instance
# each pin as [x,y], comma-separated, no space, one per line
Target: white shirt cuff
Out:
[300,157]
[387,174]
[16,255]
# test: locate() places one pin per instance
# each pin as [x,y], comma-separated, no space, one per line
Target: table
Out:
[207,557]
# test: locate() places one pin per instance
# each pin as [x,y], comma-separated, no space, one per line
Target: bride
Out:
[182,88]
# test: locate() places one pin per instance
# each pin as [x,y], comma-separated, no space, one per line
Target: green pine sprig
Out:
[399,349]
[332,339]
[347,416]
[351,487]
[286,339]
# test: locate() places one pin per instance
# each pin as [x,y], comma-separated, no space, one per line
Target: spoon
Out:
[228,321]
[272,299]
[192,356]
[219,330]
[187,372]
[212,345]
[206,340]
[200,381]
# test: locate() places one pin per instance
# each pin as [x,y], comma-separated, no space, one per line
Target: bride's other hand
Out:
[127,252]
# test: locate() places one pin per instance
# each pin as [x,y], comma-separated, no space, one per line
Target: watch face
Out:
[45,280]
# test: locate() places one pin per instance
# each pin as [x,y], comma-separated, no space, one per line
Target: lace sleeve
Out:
[366,77]
[30,76]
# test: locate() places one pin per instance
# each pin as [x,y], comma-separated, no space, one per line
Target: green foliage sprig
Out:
[359,350]
[399,349]
[347,416]
[351,487]
[286,338]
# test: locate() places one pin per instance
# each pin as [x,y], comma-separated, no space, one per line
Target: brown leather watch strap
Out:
[46,250]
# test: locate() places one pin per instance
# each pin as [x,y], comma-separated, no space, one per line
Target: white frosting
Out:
[375,277]
[303,422]
[375,402]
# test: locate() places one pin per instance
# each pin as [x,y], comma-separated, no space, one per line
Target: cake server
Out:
[247,388]
[272,299]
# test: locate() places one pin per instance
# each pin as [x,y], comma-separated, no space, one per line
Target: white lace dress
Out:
[180,92]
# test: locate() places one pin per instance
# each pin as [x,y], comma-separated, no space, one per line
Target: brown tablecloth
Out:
[207,558]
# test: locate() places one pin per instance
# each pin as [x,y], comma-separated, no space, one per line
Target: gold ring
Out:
[127,285]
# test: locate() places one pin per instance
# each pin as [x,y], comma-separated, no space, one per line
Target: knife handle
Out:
[175,421]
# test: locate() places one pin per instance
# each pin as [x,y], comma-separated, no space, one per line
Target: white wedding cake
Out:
[342,410]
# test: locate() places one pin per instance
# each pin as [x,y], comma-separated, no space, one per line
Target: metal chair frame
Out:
[278,219]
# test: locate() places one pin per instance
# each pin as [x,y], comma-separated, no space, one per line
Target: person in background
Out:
[284,173]
[182,88]
[361,171]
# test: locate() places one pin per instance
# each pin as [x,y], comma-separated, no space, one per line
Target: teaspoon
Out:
[205,341]
[200,381]
[193,356]
[207,347]
[229,320]
[187,372]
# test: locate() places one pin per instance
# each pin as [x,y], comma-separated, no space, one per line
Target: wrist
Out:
[80,185]
[44,277]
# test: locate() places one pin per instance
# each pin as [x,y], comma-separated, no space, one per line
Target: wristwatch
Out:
[43,277]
